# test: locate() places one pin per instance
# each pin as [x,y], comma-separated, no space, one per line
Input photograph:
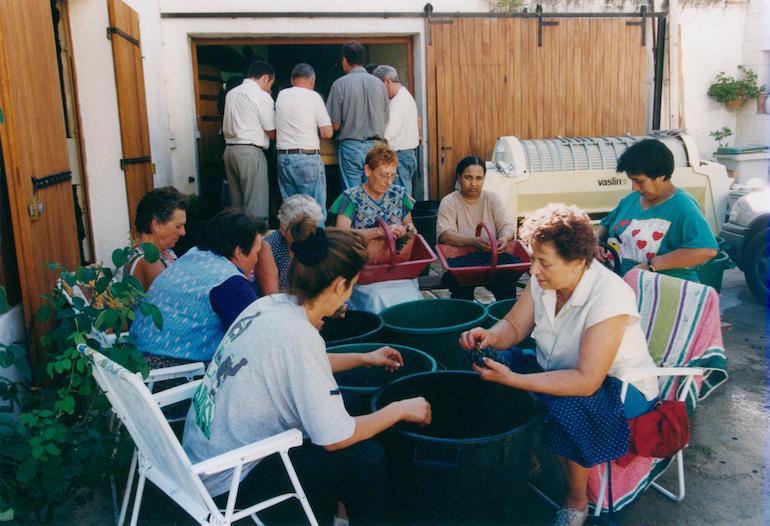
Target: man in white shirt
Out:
[401,132]
[248,127]
[300,119]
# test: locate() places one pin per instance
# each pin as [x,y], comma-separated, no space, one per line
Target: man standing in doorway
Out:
[300,117]
[249,126]
[402,130]
[358,106]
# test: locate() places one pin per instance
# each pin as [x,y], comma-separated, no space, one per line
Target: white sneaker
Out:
[570,517]
[340,522]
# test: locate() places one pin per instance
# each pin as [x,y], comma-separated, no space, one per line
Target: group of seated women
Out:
[582,316]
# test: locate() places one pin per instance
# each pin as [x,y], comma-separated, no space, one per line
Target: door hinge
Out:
[117,31]
[541,23]
[642,23]
[134,160]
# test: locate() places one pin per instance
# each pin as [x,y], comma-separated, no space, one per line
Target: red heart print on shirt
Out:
[657,235]
[635,231]
[650,255]
[641,243]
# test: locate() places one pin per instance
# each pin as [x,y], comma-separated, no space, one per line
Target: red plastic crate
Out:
[488,274]
[386,264]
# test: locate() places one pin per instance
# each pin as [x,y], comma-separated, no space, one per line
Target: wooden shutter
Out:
[132,107]
[34,148]
[489,77]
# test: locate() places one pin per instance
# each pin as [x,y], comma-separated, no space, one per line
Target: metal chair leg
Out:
[679,496]
[138,500]
[298,488]
[127,491]
[602,490]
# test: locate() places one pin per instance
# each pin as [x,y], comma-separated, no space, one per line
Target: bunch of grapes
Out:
[477,355]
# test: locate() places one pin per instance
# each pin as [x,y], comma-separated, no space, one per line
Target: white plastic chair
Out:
[162,460]
[178,372]
[685,390]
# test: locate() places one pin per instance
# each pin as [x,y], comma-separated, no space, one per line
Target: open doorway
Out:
[217,60]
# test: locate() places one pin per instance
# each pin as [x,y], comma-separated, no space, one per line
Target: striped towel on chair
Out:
[680,320]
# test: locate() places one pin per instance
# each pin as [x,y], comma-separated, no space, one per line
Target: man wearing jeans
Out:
[300,118]
[248,127]
[401,132]
[358,106]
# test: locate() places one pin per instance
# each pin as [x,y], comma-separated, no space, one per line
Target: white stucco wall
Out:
[100,130]
[97,99]
[715,36]
[754,127]
[711,41]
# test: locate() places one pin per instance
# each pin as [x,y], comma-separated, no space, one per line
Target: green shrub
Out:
[725,88]
[66,442]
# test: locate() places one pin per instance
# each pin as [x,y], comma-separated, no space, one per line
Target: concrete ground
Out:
[726,463]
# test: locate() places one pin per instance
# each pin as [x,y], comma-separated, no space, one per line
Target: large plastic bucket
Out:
[359,384]
[433,326]
[471,465]
[424,215]
[710,273]
[356,326]
[497,310]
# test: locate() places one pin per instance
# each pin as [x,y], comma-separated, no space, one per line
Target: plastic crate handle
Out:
[492,240]
[391,241]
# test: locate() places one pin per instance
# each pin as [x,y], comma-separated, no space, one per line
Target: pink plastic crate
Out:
[488,274]
[386,264]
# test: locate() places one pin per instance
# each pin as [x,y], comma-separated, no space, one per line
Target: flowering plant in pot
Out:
[733,92]
[65,444]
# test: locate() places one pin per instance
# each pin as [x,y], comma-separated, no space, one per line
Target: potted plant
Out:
[733,92]
[720,135]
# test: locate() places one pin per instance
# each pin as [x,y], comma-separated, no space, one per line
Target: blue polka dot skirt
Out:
[589,430]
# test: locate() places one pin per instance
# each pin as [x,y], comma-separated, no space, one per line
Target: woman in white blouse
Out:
[586,324]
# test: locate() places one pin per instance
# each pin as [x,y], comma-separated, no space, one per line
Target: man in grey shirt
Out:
[358,107]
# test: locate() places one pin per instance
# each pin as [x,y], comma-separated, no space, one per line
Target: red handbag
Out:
[660,433]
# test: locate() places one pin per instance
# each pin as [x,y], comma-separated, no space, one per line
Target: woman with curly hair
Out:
[586,324]
[160,220]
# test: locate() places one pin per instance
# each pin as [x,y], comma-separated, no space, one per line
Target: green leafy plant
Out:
[65,441]
[720,135]
[505,6]
[726,89]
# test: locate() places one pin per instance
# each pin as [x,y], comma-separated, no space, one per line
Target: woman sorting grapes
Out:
[458,215]
[274,358]
[586,324]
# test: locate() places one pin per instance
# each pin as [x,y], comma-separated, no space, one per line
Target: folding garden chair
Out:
[162,460]
[681,322]
[186,372]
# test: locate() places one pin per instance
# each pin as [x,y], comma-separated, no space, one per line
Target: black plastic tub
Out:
[471,465]
[360,384]
[424,216]
[357,326]
[434,327]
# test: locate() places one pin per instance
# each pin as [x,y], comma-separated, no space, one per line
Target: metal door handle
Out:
[444,148]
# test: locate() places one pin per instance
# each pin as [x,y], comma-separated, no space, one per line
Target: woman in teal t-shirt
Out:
[657,227]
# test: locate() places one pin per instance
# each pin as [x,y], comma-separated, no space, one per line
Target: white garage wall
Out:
[714,37]
[754,127]
[100,128]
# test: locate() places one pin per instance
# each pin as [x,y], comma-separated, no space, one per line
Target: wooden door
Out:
[211,142]
[132,107]
[34,148]
[490,77]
